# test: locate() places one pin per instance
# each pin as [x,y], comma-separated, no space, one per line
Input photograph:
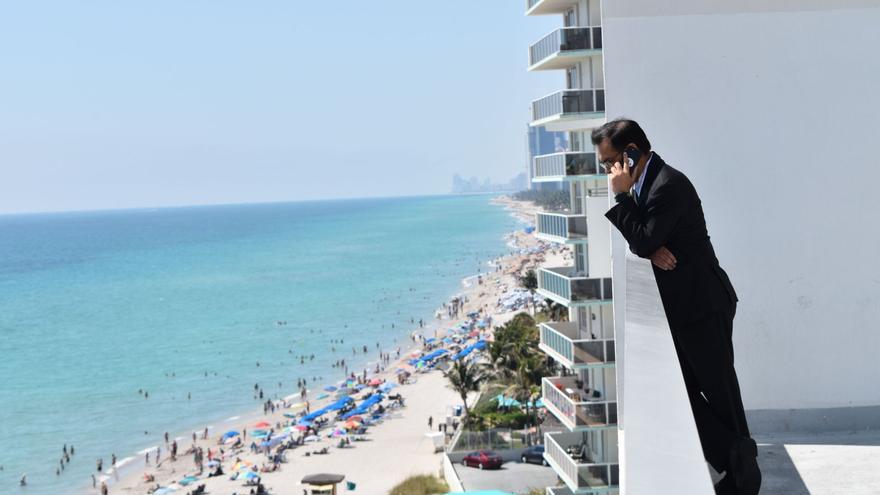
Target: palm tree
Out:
[465,377]
[556,311]
[530,281]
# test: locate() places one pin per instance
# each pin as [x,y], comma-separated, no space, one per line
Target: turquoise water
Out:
[96,306]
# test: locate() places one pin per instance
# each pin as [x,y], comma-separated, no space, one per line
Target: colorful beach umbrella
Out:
[262,424]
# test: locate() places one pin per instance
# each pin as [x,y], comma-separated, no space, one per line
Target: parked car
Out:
[534,454]
[483,459]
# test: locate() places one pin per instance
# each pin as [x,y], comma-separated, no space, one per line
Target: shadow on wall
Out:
[815,421]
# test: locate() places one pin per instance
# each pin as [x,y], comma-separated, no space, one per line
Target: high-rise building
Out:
[726,91]
[543,142]
[584,397]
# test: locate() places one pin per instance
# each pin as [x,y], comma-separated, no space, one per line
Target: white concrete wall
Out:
[772,109]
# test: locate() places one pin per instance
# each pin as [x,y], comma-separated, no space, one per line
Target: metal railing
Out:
[573,287]
[567,164]
[576,408]
[577,352]
[569,101]
[580,473]
[561,225]
[565,39]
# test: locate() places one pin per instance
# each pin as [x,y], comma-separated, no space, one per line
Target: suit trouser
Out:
[705,353]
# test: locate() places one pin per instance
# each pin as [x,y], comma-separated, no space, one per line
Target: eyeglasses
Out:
[609,162]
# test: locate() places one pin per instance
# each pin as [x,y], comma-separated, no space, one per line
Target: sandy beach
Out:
[394,448]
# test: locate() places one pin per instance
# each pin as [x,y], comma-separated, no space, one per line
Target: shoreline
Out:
[483,297]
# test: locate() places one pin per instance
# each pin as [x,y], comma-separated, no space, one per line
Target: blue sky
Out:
[109,104]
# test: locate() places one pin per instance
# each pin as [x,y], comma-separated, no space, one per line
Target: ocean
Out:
[196,305]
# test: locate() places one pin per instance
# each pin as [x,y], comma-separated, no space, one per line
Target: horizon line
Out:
[241,203]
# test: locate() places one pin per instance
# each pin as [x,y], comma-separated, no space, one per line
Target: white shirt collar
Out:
[638,185]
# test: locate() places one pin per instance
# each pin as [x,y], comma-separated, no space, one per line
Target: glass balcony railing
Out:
[573,351]
[576,407]
[566,286]
[569,102]
[578,469]
[558,166]
[564,41]
[560,226]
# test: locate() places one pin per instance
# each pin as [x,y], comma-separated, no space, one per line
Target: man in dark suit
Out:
[659,213]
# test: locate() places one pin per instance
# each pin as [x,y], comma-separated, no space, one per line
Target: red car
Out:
[483,459]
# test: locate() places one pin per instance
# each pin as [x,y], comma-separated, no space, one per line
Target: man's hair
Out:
[621,132]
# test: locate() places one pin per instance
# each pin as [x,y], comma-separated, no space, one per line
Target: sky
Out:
[109,104]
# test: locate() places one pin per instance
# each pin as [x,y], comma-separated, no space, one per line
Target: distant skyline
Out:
[125,105]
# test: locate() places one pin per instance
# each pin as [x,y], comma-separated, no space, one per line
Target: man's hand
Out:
[663,258]
[620,177]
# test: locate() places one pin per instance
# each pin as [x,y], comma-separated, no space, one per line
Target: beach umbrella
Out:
[262,424]
[322,396]
[375,382]
[357,418]
[311,438]
[230,434]
[301,427]
[338,433]
[250,475]
[329,388]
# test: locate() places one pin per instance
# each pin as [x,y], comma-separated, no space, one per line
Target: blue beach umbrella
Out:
[329,388]
[230,434]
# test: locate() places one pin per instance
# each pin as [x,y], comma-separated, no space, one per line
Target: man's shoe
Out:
[744,467]
[726,486]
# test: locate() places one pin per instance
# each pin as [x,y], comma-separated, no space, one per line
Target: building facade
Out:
[584,397]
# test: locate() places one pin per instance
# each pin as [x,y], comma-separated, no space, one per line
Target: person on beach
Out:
[104,489]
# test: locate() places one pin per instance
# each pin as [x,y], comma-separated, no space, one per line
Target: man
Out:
[659,213]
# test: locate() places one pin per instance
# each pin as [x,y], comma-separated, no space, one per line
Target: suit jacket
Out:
[670,214]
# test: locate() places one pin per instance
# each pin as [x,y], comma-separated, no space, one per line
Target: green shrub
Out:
[424,484]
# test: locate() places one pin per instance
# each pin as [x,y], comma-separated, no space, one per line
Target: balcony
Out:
[544,7]
[587,471]
[564,344]
[569,288]
[576,408]
[564,47]
[560,227]
[568,165]
[570,110]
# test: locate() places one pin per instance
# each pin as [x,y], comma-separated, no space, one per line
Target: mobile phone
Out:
[633,154]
